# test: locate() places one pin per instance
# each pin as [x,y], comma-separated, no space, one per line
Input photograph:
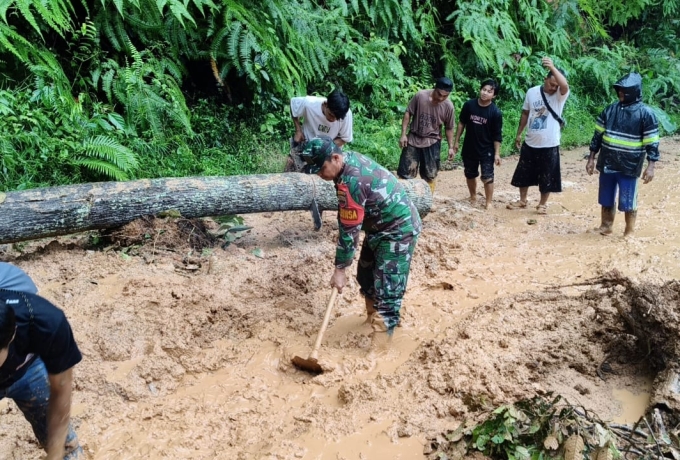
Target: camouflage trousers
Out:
[383,272]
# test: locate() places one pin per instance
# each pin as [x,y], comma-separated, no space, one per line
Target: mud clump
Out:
[174,233]
[650,313]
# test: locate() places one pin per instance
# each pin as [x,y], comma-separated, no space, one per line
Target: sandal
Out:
[516,204]
[542,209]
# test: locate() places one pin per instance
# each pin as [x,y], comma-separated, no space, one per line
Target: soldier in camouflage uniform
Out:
[369,198]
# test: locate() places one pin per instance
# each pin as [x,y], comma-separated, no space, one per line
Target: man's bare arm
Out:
[58,413]
[523,120]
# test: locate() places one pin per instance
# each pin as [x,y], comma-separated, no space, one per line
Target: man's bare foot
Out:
[473,200]
[369,318]
[488,205]
[602,230]
[628,232]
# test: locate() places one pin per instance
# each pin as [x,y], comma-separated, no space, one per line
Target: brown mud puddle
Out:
[187,351]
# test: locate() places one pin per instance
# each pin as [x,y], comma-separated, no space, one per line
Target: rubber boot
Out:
[608,214]
[630,223]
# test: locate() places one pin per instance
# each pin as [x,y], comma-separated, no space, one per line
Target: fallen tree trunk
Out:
[54,211]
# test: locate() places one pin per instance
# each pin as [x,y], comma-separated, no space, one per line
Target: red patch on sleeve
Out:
[349,211]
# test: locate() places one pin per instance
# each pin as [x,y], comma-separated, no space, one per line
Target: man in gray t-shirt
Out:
[421,128]
[15,279]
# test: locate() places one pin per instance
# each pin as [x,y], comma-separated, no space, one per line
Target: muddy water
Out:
[197,365]
[633,405]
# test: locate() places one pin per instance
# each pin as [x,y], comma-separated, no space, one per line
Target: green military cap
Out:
[317,151]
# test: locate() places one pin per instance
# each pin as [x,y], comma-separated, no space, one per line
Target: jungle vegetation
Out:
[123,89]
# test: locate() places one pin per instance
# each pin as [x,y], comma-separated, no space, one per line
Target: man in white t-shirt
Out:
[539,157]
[329,116]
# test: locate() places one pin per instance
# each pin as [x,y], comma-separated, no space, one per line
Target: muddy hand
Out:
[648,175]
[455,151]
[590,166]
[403,141]
[339,279]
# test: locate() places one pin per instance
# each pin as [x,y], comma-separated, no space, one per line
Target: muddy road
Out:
[187,352]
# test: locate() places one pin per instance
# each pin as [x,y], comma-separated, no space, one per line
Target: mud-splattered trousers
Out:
[383,271]
[371,198]
[31,393]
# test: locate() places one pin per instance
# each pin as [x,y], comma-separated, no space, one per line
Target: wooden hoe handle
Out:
[324,324]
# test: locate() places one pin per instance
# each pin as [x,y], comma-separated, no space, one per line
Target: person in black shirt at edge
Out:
[37,355]
[483,122]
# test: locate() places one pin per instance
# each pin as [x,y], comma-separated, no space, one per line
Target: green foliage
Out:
[598,71]
[249,36]
[148,90]
[95,90]
[604,65]
[222,147]
[378,139]
[529,429]
[490,30]
[231,228]
[40,15]
[45,141]
[390,19]
[620,12]
[499,31]
[107,157]
[374,70]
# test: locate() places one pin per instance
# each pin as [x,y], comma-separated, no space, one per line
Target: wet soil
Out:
[187,344]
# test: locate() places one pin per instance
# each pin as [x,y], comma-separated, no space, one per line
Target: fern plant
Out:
[280,48]
[148,90]
[488,27]
[392,20]
[106,156]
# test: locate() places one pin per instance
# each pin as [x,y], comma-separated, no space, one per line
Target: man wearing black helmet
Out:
[626,133]
[421,144]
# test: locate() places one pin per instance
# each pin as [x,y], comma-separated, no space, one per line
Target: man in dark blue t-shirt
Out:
[482,122]
[37,355]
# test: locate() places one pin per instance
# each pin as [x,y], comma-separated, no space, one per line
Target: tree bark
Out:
[54,211]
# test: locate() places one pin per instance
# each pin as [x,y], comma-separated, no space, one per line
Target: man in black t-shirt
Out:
[37,355]
[482,121]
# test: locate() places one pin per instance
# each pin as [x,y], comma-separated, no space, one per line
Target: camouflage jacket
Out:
[371,198]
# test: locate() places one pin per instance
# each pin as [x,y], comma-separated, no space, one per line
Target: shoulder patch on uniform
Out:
[349,211]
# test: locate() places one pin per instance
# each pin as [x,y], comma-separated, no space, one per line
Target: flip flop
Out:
[516,204]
